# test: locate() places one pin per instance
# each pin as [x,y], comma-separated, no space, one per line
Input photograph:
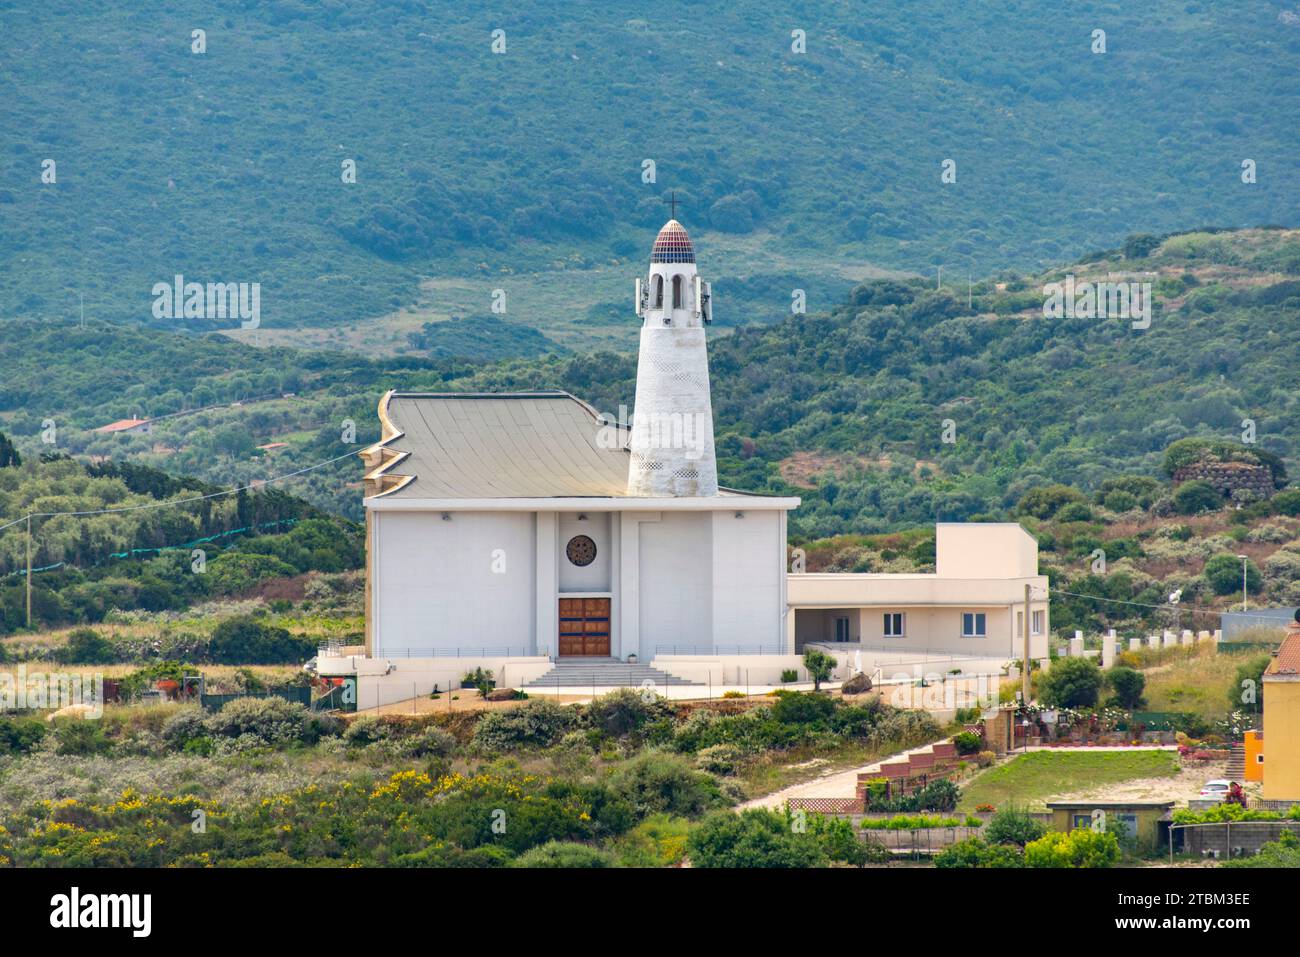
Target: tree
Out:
[9,457]
[1223,573]
[1071,683]
[820,666]
[1128,685]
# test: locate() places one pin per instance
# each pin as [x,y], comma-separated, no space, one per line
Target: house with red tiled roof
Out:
[133,426]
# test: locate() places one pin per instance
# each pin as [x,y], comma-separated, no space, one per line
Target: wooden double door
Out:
[584,626]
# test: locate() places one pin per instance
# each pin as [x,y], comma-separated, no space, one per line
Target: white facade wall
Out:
[748,581]
[435,587]
[675,559]
[591,579]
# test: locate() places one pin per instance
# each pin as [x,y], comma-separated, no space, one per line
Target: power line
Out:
[1179,607]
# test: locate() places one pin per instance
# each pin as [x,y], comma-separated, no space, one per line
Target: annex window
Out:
[1036,623]
[659,292]
[973,624]
[894,624]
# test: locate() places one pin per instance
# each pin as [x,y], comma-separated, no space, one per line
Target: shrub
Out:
[657,782]
[935,796]
[1071,683]
[187,724]
[1128,685]
[81,737]
[86,646]
[974,852]
[1081,847]
[719,758]
[789,675]
[1287,502]
[794,707]
[566,854]
[537,724]
[753,838]
[624,712]
[366,729]
[272,721]
[1012,826]
[429,742]
[968,742]
[839,842]
[1196,496]
[20,735]
[1249,677]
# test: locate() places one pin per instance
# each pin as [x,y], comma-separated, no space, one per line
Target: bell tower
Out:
[672,423]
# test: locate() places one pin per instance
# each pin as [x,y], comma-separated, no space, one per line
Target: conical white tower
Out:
[672,422]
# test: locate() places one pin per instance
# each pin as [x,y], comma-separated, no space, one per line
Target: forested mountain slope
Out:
[227,165]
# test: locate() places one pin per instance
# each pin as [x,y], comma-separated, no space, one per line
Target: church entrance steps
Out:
[603,673]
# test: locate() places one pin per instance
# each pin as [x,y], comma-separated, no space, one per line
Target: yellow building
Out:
[1282,719]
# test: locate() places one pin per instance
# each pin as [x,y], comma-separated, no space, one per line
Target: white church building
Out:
[529,534]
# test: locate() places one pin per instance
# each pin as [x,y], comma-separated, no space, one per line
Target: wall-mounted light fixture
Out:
[582,516]
[446,516]
[740,515]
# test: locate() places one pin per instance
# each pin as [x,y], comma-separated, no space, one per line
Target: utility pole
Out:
[1244,560]
[29,571]
[1024,672]
[939,284]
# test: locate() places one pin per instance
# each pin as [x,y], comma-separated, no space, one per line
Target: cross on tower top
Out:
[672,201]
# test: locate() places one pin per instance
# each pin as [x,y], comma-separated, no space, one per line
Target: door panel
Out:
[584,626]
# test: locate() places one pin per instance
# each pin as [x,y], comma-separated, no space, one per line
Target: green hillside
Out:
[845,408]
[496,170]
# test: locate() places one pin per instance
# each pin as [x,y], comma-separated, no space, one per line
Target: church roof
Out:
[672,245]
[495,445]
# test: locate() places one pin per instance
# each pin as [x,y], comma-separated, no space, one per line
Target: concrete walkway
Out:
[832,784]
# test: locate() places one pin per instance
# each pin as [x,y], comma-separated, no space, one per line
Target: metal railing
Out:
[719,650]
[466,651]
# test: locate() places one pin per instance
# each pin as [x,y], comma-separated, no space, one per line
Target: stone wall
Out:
[1227,477]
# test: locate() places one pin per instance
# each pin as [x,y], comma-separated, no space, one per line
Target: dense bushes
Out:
[1081,847]
[538,724]
[654,782]
[20,735]
[244,640]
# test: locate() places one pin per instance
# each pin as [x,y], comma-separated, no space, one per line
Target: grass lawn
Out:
[1196,684]
[1034,778]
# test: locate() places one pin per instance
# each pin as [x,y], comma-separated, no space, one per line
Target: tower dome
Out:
[672,245]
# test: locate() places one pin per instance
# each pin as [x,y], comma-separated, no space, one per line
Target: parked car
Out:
[1218,788]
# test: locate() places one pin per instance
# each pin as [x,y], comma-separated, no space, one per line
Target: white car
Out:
[1218,788]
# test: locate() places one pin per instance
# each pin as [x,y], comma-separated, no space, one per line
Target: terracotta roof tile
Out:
[1287,659]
